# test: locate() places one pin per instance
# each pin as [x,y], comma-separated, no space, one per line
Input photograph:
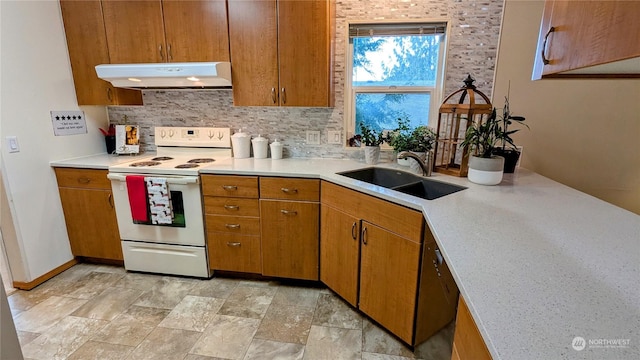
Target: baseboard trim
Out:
[40,279]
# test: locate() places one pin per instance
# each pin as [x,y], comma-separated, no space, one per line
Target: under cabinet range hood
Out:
[167,75]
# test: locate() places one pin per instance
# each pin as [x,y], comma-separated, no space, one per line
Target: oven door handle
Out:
[182,180]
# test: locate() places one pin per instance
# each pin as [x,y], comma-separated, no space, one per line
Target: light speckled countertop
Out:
[538,263]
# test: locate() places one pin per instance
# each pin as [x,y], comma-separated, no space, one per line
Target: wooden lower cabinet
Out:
[382,258]
[389,279]
[467,341]
[340,253]
[89,213]
[290,239]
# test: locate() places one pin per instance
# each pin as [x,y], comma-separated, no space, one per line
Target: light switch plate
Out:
[334,137]
[12,144]
[313,137]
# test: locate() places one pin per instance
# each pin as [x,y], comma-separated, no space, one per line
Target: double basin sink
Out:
[403,182]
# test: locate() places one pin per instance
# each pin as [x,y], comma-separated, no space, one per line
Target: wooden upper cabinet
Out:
[281,52]
[196,30]
[587,35]
[135,31]
[253,38]
[87,45]
[151,31]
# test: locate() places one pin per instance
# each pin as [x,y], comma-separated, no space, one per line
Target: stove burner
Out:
[201,161]
[145,163]
[162,158]
[186,166]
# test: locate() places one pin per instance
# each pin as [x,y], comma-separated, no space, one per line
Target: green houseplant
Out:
[371,139]
[511,153]
[419,140]
[482,138]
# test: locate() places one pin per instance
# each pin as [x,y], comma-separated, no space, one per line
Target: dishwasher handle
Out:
[182,180]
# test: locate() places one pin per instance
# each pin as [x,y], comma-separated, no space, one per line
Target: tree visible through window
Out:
[396,70]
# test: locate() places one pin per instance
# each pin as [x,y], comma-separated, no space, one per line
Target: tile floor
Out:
[103,312]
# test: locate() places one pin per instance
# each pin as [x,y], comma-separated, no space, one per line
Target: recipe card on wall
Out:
[127,139]
[68,123]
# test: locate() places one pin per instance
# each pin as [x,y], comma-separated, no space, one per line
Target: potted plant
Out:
[419,141]
[371,139]
[511,154]
[485,168]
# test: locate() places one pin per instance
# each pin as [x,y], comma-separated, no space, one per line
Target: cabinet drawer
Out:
[234,224]
[83,178]
[231,206]
[231,186]
[290,189]
[233,252]
[398,219]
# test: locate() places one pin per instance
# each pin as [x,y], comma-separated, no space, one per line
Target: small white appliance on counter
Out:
[158,201]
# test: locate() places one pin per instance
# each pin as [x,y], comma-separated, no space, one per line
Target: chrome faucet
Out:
[426,168]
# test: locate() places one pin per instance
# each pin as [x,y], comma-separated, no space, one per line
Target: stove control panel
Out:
[193,136]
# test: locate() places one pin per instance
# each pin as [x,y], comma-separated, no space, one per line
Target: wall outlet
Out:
[313,137]
[334,137]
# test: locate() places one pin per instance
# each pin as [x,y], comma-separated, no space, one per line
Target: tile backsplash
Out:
[473,40]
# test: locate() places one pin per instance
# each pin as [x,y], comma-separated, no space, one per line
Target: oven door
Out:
[187,227]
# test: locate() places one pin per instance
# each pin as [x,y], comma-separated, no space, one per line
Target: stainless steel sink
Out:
[404,182]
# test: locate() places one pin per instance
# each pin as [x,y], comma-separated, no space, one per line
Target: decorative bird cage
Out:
[454,118]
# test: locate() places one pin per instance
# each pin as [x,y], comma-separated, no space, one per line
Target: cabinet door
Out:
[389,279]
[196,30]
[91,223]
[587,33]
[340,252]
[135,31]
[290,231]
[87,45]
[254,52]
[303,52]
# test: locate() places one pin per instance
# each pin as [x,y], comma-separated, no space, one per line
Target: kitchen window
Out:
[394,70]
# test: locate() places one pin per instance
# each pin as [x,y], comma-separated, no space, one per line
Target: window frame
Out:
[350,91]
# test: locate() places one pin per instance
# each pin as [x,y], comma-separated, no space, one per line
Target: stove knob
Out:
[163,133]
[211,135]
[171,133]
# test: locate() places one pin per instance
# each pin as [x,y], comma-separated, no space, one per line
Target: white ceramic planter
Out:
[486,171]
[404,162]
[371,154]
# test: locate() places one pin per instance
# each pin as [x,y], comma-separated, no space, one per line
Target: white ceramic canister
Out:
[276,150]
[241,143]
[260,146]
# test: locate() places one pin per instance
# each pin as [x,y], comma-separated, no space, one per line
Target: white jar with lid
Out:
[276,150]
[241,143]
[260,146]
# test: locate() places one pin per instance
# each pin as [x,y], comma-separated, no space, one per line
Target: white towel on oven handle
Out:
[159,200]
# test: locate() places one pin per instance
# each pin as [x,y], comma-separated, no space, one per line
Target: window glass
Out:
[382,110]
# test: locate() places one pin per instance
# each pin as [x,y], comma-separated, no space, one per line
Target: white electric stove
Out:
[178,248]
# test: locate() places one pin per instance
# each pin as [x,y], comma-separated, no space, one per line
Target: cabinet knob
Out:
[544,46]
[274,96]
[160,52]
[232,207]
[289,191]
[230,187]
[169,56]
[109,94]
[289,212]
[354,234]
[232,226]
[284,96]
[84,180]
[233,244]
[110,199]
[364,236]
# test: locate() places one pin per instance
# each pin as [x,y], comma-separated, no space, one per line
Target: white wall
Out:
[584,133]
[36,78]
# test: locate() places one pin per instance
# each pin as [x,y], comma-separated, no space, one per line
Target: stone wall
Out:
[473,40]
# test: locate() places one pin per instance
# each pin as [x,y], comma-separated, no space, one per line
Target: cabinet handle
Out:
[169,56]
[232,226]
[364,236]
[84,180]
[289,191]
[232,207]
[544,46]
[289,212]
[233,244]
[354,235]
[284,96]
[160,52]
[109,94]
[230,187]
[110,199]
[274,97]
